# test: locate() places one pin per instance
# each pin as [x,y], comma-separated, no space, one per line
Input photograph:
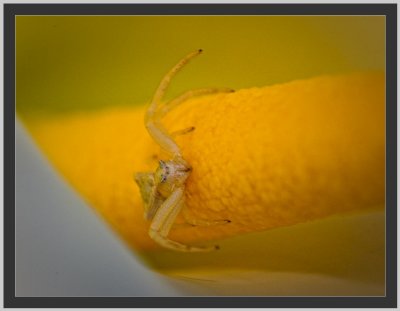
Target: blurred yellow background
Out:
[85,62]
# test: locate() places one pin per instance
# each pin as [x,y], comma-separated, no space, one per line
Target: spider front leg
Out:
[152,121]
[162,137]
[165,218]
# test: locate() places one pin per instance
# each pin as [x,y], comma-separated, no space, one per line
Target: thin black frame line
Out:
[391,154]
[9,154]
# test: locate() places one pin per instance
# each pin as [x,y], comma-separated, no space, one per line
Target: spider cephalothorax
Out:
[173,172]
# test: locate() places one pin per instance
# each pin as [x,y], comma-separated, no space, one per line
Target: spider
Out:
[163,191]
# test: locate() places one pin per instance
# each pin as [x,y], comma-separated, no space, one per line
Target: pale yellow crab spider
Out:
[163,191]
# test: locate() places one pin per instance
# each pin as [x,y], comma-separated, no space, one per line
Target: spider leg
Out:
[156,130]
[161,137]
[164,219]
[203,222]
[167,79]
[183,132]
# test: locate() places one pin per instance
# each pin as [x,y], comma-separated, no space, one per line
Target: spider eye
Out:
[163,171]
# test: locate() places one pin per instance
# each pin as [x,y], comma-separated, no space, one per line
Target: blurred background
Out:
[67,64]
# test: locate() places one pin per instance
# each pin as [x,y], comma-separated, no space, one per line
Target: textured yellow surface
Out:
[261,157]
